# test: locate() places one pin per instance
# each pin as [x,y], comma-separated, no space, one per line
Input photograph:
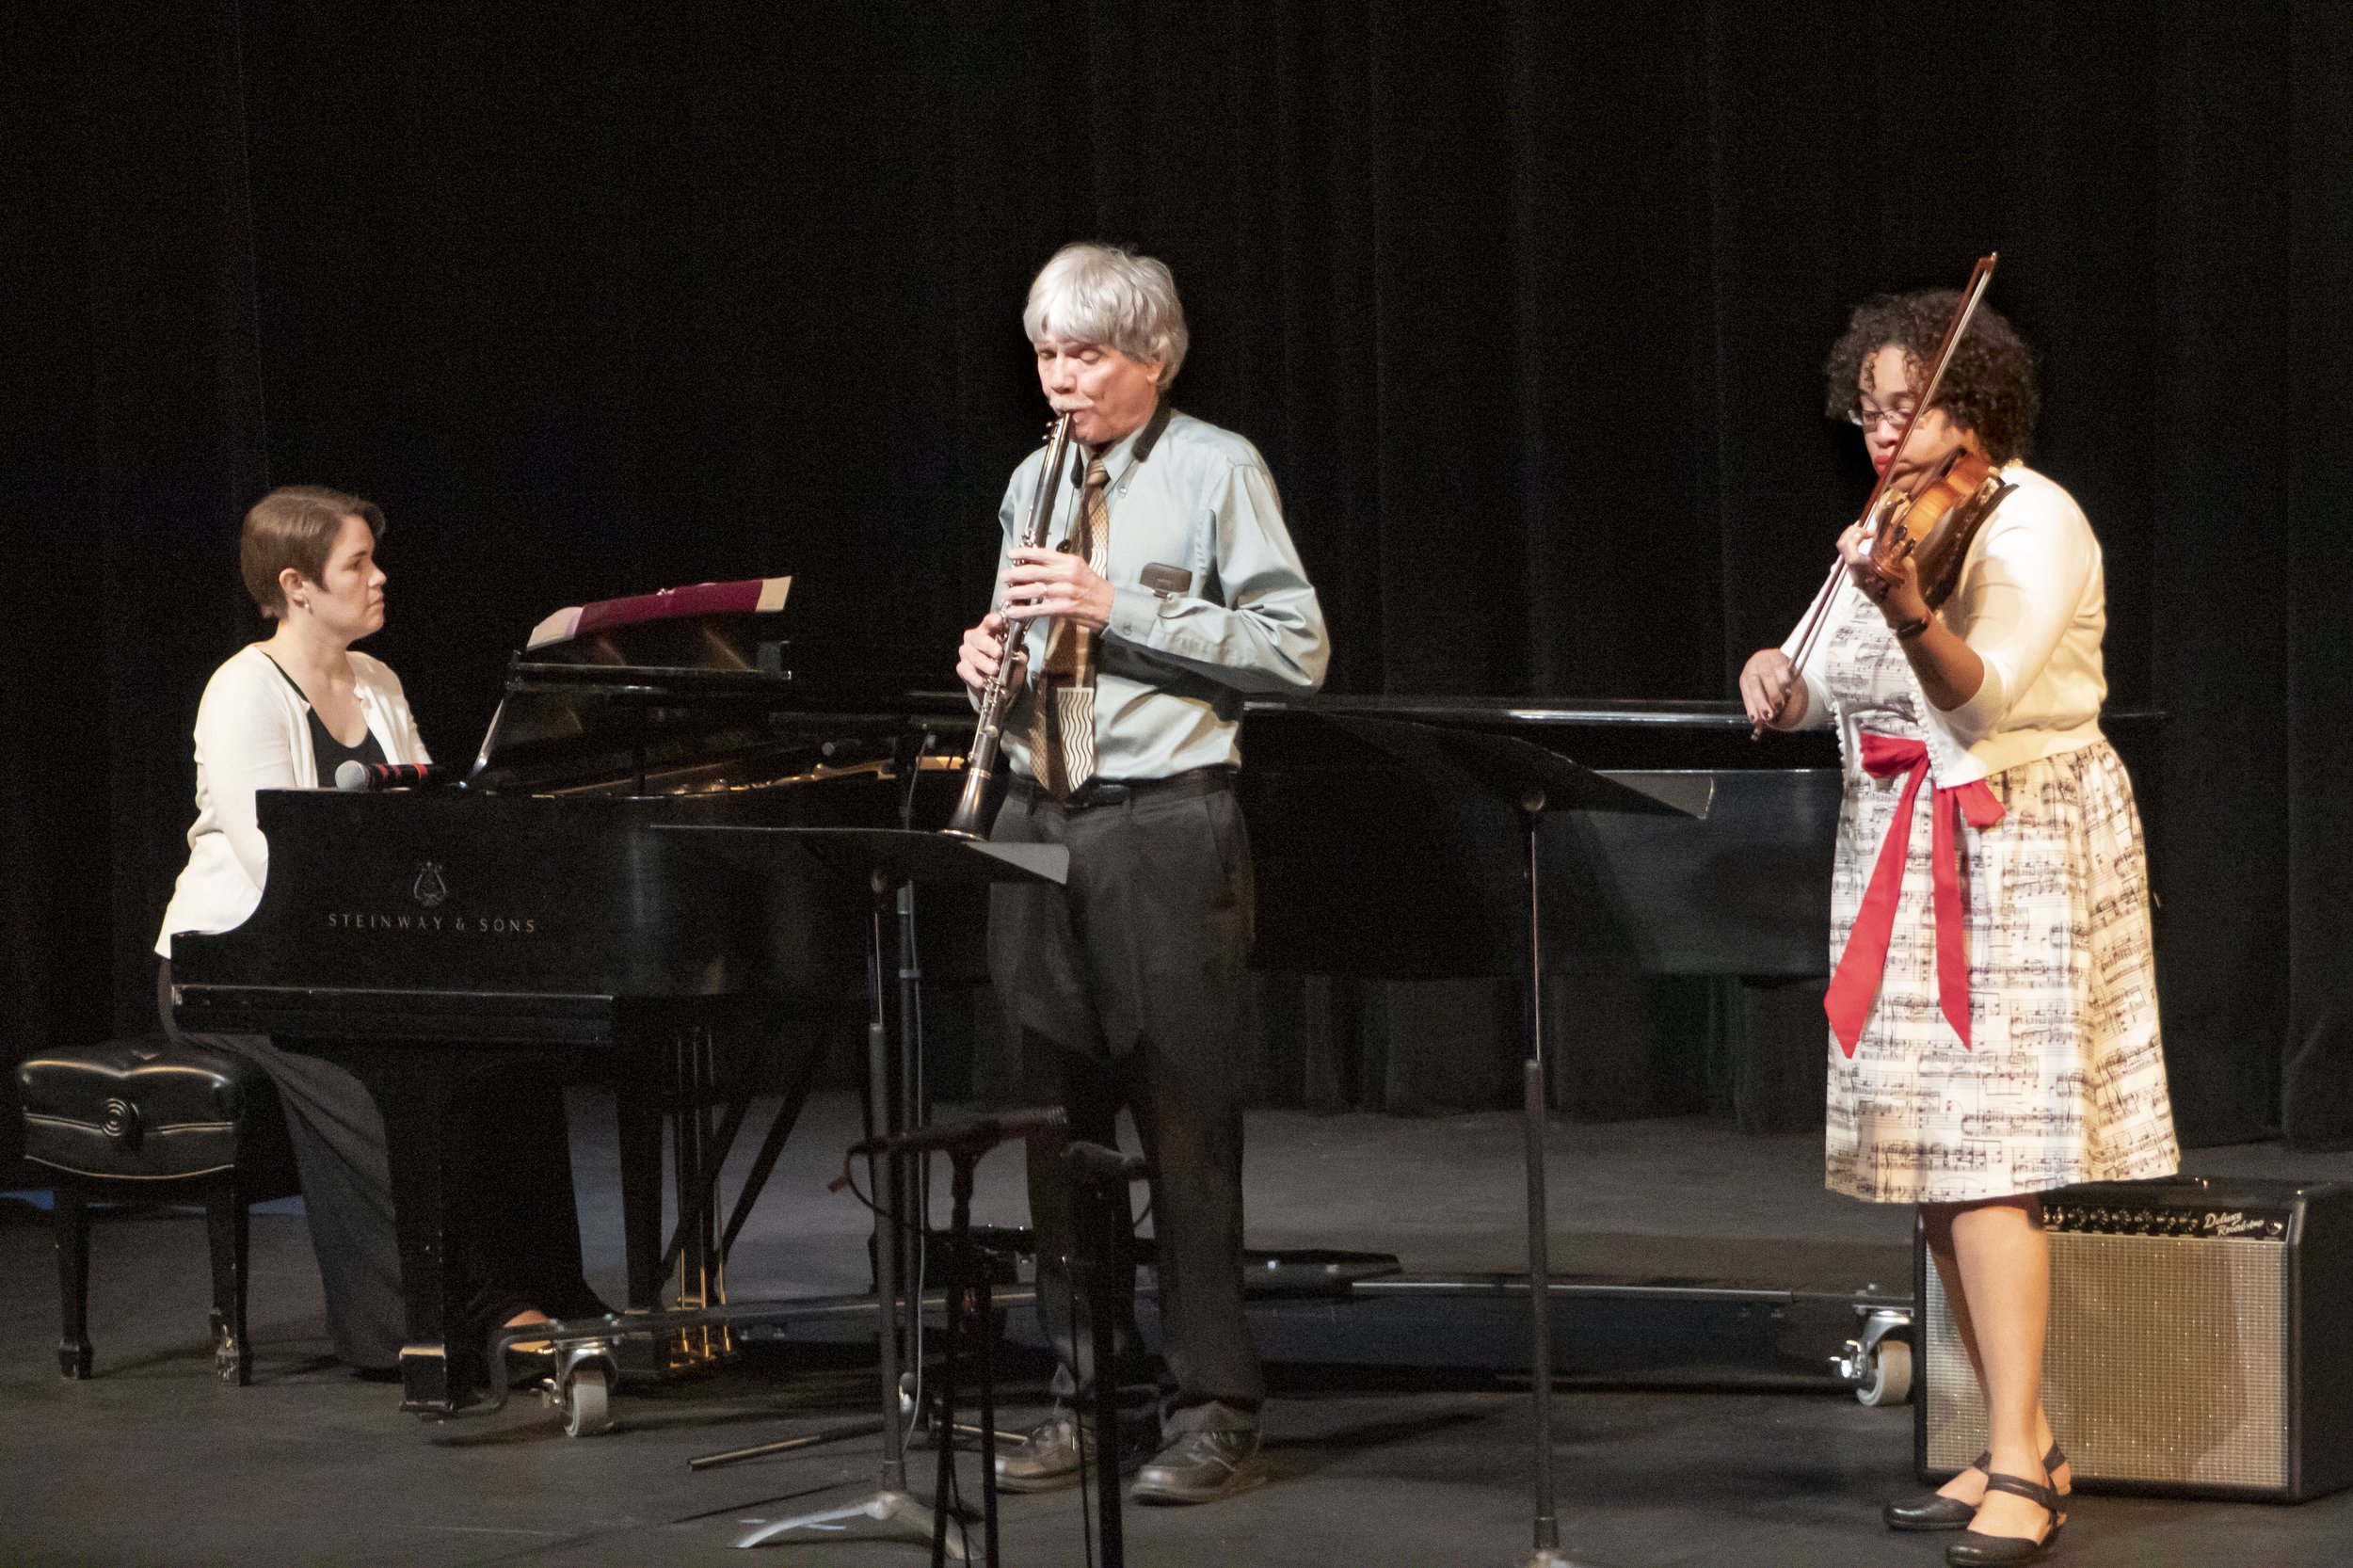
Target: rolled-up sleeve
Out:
[1266,633]
[2017,598]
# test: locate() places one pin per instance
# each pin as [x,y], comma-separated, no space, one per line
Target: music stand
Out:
[1533,782]
[886,859]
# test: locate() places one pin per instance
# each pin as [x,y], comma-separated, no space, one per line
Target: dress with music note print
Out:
[2063,1079]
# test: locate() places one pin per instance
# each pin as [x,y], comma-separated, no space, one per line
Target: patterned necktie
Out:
[1061,720]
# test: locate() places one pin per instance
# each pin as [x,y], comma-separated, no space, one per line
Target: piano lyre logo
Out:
[429,889]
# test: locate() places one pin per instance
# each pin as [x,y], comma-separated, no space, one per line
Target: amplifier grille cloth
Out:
[2167,1362]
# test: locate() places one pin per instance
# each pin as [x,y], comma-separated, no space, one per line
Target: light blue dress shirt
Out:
[1210,601]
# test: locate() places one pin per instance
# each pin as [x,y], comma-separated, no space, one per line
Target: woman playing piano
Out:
[284,713]
[1993,1005]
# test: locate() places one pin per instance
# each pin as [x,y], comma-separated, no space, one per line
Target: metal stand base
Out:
[896,1513]
[1535,1105]
[898,1516]
[788,1445]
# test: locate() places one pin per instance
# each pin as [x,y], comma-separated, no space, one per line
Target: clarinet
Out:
[1013,670]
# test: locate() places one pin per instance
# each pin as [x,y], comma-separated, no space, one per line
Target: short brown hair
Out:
[294,525]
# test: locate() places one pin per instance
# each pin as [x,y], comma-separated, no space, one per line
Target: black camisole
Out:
[328,753]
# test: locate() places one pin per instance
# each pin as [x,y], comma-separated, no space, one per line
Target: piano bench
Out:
[150,1120]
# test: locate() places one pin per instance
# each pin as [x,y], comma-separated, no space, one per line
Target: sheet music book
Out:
[752,593]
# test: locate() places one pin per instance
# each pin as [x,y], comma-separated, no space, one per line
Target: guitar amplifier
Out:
[2200,1343]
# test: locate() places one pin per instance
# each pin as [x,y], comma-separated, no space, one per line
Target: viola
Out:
[1933,524]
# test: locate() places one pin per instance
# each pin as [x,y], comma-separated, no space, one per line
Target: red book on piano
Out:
[753,593]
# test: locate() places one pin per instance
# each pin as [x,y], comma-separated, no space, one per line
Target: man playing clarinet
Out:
[1168,590]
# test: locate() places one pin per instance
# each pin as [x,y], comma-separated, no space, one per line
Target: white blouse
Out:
[252,732]
[2032,603]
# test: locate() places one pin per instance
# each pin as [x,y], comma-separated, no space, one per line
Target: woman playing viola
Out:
[1993,1011]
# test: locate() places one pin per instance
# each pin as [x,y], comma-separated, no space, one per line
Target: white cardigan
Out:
[252,732]
[2032,603]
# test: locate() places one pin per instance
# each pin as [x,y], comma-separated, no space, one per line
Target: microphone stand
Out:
[892,1506]
[914,1101]
[1101,1177]
[969,1304]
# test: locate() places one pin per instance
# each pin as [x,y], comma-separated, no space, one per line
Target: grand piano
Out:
[536,905]
[421,935]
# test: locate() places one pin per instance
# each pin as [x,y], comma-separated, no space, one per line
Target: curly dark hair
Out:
[1989,386]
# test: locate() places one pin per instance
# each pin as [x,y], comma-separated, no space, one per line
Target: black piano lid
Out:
[1602,734]
[1611,734]
[620,704]
[1518,710]
[1703,713]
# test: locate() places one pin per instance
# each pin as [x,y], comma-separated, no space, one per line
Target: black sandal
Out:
[1936,1511]
[1977,1549]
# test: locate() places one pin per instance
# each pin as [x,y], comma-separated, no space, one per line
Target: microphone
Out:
[962,1136]
[355,777]
[1096,1163]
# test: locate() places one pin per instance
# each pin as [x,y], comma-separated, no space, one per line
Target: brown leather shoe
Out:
[1201,1467]
[1046,1460]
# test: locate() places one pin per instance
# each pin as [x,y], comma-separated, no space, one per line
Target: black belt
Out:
[1115,792]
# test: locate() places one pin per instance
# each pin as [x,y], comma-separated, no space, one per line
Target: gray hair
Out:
[1101,294]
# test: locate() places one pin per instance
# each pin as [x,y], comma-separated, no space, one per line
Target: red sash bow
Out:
[1856,984]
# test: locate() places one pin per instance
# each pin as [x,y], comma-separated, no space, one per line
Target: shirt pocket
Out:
[1183,539]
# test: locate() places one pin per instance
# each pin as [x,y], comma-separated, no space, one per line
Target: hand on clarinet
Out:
[1768,682]
[1042,582]
[981,650]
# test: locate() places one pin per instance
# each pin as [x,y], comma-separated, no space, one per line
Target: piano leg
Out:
[414,1088]
[638,1116]
[689,1140]
[640,1129]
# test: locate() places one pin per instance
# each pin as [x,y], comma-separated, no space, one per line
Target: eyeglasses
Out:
[1872,418]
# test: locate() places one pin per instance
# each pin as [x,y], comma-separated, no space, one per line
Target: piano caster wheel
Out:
[587,1409]
[1879,1364]
[1889,1381]
[584,1390]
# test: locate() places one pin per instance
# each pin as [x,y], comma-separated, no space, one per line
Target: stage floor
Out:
[155,1463]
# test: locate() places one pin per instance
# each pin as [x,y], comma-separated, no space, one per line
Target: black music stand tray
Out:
[1533,782]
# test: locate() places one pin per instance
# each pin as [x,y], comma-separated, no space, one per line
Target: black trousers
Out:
[1128,987]
[523,1247]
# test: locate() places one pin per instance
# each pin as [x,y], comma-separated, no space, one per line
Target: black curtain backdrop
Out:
[1524,303]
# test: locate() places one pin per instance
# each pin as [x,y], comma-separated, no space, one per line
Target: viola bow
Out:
[1810,631]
